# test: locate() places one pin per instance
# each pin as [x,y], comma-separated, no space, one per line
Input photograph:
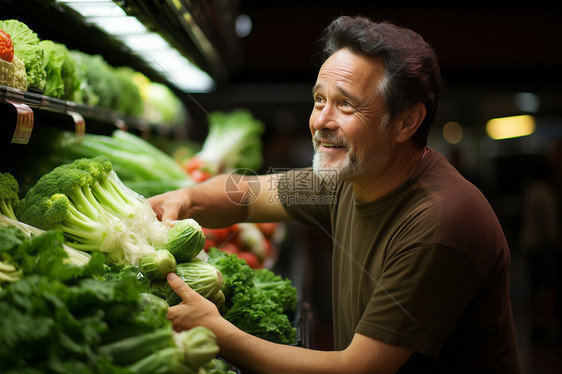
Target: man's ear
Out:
[409,122]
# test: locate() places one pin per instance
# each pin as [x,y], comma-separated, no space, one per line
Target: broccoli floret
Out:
[9,190]
[106,188]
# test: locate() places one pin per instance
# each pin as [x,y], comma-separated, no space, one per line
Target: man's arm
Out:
[364,354]
[222,201]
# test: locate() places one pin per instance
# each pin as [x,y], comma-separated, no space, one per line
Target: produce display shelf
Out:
[26,101]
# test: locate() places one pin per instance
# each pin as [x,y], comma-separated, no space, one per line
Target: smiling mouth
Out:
[331,145]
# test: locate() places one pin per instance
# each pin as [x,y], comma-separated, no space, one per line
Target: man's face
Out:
[345,123]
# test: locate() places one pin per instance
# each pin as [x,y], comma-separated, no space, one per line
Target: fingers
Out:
[179,286]
[165,210]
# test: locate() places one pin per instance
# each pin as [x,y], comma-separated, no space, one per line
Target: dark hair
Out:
[412,73]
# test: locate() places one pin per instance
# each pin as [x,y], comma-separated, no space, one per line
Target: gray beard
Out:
[325,170]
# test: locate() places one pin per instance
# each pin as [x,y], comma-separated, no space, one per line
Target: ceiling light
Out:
[510,127]
[243,26]
[527,102]
[149,46]
[452,132]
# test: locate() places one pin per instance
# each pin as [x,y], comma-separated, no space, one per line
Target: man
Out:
[420,263]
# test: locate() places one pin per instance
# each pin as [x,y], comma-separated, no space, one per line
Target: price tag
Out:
[79,124]
[24,123]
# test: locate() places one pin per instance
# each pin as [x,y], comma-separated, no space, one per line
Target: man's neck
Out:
[370,187]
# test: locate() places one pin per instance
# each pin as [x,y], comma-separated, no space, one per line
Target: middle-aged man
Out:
[420,262]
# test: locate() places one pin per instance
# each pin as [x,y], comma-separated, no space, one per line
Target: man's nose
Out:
[325,119]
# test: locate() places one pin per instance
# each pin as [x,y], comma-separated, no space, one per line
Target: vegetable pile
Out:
[140,165]
[27,62]
[91,210]
[256,300]
[64,318]
[12,70]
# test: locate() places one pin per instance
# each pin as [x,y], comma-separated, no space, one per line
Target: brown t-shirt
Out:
[424,267]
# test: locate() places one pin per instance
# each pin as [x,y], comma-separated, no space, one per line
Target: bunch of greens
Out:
[63,318]
[27,48]
[160,103]
[140,165]
[233,142]
[62,76]
[128,100]
[95,211]
[256,301]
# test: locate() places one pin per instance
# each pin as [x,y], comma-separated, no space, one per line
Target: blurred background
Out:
[499,123]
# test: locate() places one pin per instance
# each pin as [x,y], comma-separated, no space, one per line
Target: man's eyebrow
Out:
[341,90]
[316,87]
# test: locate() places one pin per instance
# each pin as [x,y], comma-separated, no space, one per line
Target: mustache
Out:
[328,136]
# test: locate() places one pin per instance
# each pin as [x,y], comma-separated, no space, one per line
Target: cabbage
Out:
[202,277]
[28,49]
[185,239]
[54,86]
[62,77]
[158,264]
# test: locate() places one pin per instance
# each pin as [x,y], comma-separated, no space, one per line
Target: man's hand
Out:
[194,310]
[172,205]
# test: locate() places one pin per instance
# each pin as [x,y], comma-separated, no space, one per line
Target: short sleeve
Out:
[306,197]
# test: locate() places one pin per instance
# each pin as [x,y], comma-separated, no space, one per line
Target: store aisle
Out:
[537,356]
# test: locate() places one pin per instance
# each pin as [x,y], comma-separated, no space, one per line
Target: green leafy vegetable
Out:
[279,290]
[233,142]
[62,77]
[128,100]
[204,278]
[185,239]
[63,318]
[86,200]
[9,190]
[256,302]
[160,104]
[140,165]
[158,264]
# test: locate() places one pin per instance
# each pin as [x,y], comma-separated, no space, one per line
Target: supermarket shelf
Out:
[201,31]
[29,106]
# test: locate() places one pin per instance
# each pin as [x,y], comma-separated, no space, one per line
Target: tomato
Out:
[229,248]
[193,164]
[200,175]
[267,228]
[268,246]
[6,47]
[251,259]
[209,243]
[221,235]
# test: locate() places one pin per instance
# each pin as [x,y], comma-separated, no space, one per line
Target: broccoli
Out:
[9,190]
[106,188]
[83,202]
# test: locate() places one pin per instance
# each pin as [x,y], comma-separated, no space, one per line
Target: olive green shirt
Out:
[425,267]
